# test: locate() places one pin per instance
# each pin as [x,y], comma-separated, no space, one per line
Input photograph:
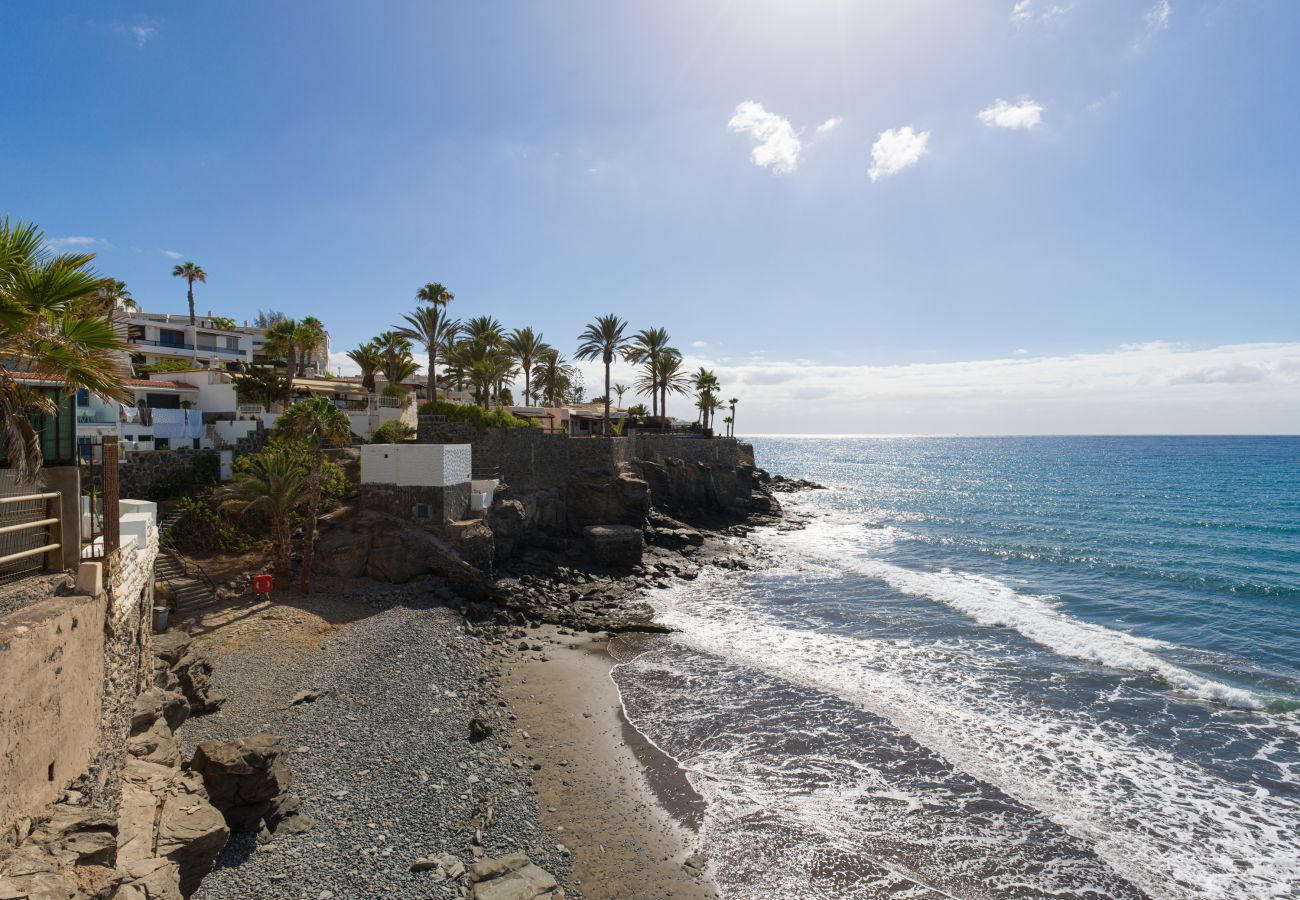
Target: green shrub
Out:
[393,432]
[475,415]
[200,528]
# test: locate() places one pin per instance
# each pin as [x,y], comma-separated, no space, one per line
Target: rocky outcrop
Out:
[696,491]
[247,779]
[512,877]
[623,499]
[394,550]
[179,666]
[614,546]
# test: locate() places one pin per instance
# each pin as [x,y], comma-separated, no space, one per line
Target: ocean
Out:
[998,667]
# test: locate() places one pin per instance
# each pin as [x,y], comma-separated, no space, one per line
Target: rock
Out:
[157,703]
[400,551]
[511,877]
[472,539]
[306,697]
[343,553]
[191,832]
[694,864]
[179,667]
[622,499]
[244,778]
[509,523]
[616,546]
[479,728]
[152,878]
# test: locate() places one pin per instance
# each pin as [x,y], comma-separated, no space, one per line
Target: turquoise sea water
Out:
[1063,667]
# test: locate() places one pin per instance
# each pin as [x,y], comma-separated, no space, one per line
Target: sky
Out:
[1001,217]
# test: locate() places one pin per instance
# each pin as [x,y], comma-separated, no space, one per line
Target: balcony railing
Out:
[166,345]
[234,351]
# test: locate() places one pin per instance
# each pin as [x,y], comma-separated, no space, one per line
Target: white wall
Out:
[424,465]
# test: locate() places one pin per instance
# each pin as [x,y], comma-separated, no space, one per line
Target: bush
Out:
[393,432]
[200,528]
[475,415]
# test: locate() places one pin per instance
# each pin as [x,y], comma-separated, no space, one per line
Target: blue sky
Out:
[1082,216]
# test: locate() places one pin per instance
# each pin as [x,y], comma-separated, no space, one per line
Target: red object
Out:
[262,584]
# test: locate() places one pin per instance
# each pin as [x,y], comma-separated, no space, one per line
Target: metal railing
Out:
[33,528]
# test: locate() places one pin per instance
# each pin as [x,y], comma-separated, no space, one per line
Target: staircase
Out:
[192,588]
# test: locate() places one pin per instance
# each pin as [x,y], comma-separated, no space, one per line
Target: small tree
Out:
[274,481]
[311,424]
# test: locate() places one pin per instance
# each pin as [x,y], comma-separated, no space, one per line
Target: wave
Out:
[992,603]
[1170,827]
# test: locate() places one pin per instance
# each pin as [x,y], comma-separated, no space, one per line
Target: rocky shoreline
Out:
[411,761]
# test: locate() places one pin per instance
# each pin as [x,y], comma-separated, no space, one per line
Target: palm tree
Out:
[485,329]
[397,364]
[368,358]
[526,345]
[311,424]
[620,389]
[672,380]
[111,292]
[282,342]
[191,272]
[435,294]
[51,331]
[431,326]
[647,346]
[554,375]
[603,339]
[727,421]
[731,420]
[276,482]
[310,338]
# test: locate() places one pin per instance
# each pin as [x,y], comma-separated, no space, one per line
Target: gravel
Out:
[383,760]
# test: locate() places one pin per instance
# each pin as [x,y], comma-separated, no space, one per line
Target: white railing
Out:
[51,524]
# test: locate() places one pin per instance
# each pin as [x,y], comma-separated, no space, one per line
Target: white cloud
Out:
[1024,114]
[1026,11]
[699,345]
[143,33]
[1149,388]
[1157,17]
[829,125]
[1156,20]
[778,145]
[172,254]
[74,242]
[1021,351]
[895,150]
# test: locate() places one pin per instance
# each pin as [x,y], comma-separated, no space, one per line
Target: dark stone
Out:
[615,546]
[244,778]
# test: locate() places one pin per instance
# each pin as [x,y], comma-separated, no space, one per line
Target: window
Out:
[83,397]
[162,443]
[169,337]
[232,343]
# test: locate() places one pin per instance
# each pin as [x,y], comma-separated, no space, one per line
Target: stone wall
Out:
[446,504]
[71,667]
[142,472]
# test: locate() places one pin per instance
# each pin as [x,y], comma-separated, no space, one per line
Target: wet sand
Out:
[622,807]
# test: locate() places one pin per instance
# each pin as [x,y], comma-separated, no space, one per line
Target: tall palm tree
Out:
[603,339]
[554,375]
[485,329]
[526,345]
[308,338]
[282,342]
[647,346]
[620,389]
[312,424]
[432,327]
[706,387]
[368,358]
[276,482]
[191,272]
[51,330]
[732,419]
[434,294]
[672,380]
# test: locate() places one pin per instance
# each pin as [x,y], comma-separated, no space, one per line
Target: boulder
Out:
[179,667]
[473,541]
[244,778]
[165,815]
[622,499]
[508,520]
[343,553]
[512,877]
[615,546]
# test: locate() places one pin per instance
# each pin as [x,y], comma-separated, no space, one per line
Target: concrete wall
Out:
[51,666]
[415,465]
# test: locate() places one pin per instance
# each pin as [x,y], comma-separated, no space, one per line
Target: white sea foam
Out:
[1171,828]
[991,602]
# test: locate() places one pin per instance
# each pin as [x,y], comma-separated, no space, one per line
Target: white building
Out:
[163,337]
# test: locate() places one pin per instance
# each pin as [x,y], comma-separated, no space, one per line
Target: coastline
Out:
[622,806]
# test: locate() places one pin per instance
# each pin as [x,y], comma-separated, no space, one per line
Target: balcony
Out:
[229,351]
[164,345]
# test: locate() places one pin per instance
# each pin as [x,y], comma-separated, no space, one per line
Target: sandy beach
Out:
[624,808]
